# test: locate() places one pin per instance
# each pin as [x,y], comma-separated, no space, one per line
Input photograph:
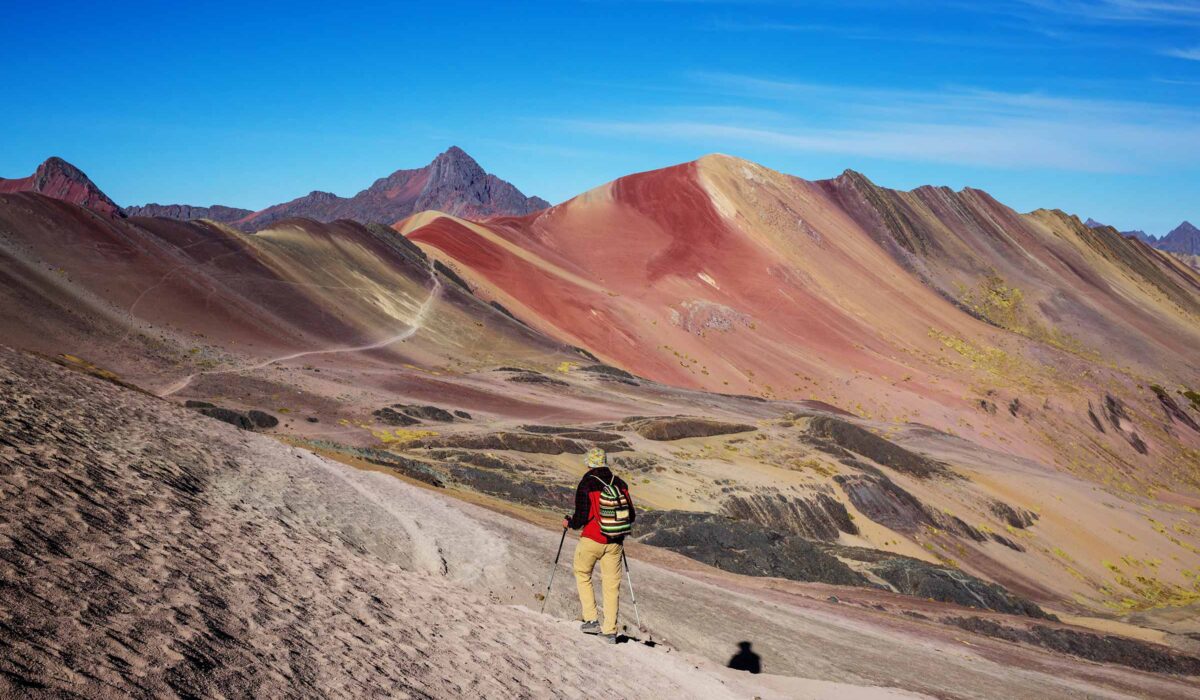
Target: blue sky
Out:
[1092,107]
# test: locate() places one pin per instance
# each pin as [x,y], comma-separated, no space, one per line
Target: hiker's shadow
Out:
[745,659]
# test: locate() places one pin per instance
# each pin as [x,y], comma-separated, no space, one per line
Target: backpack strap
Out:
[606,483]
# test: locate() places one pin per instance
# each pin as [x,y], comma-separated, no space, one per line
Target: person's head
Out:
[595,458]
[744,646]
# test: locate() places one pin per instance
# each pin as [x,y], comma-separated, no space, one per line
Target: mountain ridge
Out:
[453,182]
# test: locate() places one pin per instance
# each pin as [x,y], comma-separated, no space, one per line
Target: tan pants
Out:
[587,553]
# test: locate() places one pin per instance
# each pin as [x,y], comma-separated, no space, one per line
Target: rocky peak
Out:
[454,166]
[1184,238]
[1186,228]
[59,179]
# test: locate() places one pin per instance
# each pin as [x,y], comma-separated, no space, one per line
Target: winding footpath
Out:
[410,331]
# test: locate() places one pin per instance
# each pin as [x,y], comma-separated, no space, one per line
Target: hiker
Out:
[604,511]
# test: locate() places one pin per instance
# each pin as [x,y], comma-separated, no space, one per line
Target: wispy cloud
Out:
[865,33]
[1111,11]
[962,126]
[1192,54]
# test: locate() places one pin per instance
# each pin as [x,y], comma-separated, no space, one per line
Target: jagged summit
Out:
[59,179]
[1184,238]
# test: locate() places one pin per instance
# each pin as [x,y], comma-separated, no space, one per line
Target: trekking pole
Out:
[554,570]
[625,561]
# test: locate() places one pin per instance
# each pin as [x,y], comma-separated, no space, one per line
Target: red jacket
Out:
[587,504]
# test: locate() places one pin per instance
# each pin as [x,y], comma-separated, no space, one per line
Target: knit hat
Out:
[595,458]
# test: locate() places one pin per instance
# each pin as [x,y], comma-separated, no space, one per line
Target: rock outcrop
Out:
[861,441]
[742,547]
[816,516]
[184,212]
[680,427]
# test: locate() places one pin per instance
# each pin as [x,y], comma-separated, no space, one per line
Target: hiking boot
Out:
[592,627]
[609,638]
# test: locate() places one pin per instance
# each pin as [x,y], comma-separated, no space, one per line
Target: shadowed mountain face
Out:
[59,179]
[1185,239]
[452,183]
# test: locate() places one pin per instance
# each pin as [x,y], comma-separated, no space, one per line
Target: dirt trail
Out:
[410,331]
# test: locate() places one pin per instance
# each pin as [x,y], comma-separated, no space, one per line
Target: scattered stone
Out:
[536,378]
[479,459]
[262,419]
[861,441]
[997,537]
[432,413]
[611,374]
[405,414]
[635,464]
[550,496]
[1016,517]
[451,275]
[680,427]
[391,416]
[517,442]
[815,517]
[1119,419]
[597,436]
[229,416]
[1172,409]
[742,547]
[1125,651]
[924,580]
[881,500]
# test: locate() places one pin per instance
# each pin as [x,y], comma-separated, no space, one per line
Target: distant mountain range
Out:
[453,183]
[1184,238]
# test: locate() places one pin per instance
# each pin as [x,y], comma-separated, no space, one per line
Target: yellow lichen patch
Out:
[401,436]
[993,360]
[1005,306]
